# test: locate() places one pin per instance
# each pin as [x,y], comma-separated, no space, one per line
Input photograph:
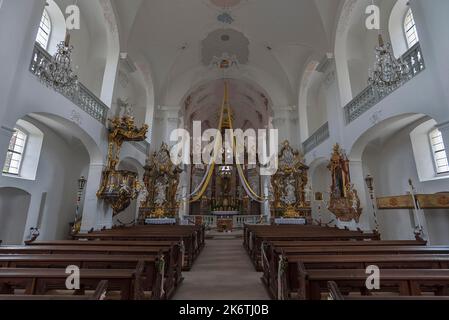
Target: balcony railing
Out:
[319,136]
[83,98]
[371,96]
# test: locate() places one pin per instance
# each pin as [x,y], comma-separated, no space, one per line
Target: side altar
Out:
[161,197]
[288,188]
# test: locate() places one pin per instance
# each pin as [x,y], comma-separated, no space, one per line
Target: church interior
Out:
[224,150]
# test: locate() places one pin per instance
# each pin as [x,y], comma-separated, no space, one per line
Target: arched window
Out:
[43,36]
[15,153]
[439,152]
[411,33]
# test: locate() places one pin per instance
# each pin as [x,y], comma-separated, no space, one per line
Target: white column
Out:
[37,203]
[432,25]
[96,214]
[19,22]
[185,187]
[266,191]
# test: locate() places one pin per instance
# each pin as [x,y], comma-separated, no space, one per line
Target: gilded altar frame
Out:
[161,180]
[289,185]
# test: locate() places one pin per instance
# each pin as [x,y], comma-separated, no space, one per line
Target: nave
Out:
[178,262]
[222,272]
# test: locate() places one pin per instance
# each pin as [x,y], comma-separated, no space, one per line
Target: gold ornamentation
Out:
[119,187]
[344,201]
[426,201]
[289,185]
[161,181]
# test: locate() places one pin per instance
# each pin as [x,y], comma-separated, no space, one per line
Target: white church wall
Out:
[392,163]
[60,165]
[14,205]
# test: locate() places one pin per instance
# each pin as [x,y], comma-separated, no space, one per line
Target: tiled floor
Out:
[222,272]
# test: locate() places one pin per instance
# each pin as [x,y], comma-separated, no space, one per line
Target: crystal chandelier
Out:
[388,73]
[57,73]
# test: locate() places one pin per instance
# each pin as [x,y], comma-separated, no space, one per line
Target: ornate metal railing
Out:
[321,135]
[83,98]
[371,96]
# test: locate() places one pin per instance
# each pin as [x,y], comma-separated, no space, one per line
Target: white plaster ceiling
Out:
[227,41]
[283,36]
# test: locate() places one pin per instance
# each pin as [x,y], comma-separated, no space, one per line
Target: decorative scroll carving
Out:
[289,185]
[344,201]
[161,181]
[118,187]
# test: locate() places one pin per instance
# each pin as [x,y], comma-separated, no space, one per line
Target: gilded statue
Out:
[344,200]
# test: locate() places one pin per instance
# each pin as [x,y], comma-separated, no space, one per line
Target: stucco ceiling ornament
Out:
[225,63]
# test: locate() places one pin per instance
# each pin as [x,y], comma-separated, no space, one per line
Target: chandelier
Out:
[57,73]
[388,73]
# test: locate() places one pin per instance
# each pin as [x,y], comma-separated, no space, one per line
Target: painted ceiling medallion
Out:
[226,3]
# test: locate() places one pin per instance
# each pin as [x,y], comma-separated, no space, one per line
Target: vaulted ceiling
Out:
[273,41]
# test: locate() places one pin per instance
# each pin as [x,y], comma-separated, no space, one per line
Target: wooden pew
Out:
[257,235]
[159,232]
[99,294]
[151,279]
[324,243]
[39,281]
[335,294]
[192,242]
[172,256]
[295,267]
[178,252]
[405,282]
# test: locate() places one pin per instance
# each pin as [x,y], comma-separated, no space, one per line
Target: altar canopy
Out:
[225,188]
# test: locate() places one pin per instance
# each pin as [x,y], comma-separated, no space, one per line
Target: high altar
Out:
[225,193]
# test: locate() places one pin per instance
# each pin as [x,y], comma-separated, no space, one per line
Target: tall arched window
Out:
[43,36]
[439,152]
[411,33]
[15,153]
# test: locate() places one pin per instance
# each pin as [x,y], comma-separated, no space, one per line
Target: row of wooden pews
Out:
[337,269]
[137,263]
[255,235]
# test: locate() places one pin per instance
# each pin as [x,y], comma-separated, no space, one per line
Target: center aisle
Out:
[223,271]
